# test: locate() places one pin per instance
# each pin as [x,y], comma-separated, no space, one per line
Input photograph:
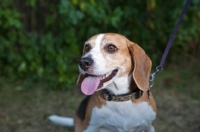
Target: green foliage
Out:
[42,41]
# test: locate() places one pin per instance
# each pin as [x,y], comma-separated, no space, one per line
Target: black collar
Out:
[137,93]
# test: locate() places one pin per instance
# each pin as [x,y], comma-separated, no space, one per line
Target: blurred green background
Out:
[41,40]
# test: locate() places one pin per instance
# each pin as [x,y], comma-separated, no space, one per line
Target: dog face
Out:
[112,61]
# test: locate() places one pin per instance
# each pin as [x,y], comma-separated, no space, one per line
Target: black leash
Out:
[159,68]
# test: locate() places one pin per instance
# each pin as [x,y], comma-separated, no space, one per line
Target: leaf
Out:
[22,67]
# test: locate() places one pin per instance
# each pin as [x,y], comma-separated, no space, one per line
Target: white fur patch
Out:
[97,56]
[120,85]
[122,117]
[99,40]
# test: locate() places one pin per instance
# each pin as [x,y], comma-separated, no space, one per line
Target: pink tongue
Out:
[90,84]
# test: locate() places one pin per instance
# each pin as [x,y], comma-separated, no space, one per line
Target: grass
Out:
[177,93]
[178,101]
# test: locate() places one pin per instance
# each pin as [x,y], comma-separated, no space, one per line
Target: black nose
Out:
[85,63]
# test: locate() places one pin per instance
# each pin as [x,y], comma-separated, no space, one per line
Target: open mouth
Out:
[92,82]
[107,77]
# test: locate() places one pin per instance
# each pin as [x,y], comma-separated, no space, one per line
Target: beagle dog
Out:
[114,74]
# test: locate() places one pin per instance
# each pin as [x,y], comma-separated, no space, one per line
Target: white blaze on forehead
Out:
[97,56]
[99,40]
[97,45]
[97,50]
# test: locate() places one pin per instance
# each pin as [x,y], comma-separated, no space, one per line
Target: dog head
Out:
[111,60]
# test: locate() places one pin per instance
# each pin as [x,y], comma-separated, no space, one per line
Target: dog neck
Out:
[122,85]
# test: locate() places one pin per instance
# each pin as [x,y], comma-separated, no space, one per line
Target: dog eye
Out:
[87,48]
[111,48]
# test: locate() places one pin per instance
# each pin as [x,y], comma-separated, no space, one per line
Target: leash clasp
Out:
[153,75]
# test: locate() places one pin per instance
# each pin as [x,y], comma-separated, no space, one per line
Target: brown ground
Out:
[26,110]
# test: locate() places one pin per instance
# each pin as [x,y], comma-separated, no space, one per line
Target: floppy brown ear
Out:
[81,77]
[142,66]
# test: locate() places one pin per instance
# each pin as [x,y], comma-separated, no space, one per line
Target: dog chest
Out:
[122,117]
